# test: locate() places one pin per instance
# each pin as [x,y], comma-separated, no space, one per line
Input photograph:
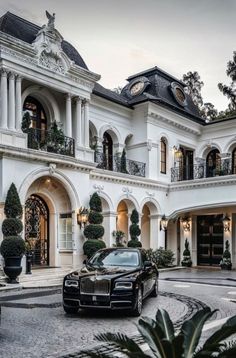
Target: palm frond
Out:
[192,329]
[165,323]
[121,341]
[224,332]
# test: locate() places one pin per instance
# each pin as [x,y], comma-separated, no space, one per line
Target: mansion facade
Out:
[176,164]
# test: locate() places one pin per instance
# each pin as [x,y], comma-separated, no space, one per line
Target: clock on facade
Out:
[137,88]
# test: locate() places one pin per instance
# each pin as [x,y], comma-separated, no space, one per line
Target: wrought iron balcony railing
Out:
[199,171]
[50,141]
[113,163]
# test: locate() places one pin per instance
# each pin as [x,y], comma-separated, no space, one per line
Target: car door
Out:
[146,276]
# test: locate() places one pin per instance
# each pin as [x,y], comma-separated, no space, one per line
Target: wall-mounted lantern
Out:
[177,152]
[186,223]
[226,222]
[163,223]
[82,217]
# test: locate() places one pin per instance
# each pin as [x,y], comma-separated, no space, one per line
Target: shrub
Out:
[134,217]
[94,231]
[161,257]
[90,247]
[134,243]
[123,168]
[95,217]
[12,227]
[226,262]
[95,203]
[187,261]
[12,246]
[13,208]
[134,231]
[25,124]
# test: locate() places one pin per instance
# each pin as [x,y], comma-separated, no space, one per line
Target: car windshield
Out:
[115,258]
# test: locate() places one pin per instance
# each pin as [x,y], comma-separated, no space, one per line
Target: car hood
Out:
[104,272]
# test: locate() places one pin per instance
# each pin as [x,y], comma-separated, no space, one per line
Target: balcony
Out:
[200,171]
[49,141]
[113,163]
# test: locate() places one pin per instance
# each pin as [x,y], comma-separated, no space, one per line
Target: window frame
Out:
[163,156]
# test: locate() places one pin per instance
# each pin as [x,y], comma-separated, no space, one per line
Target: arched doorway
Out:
[145,227]
[37,229]
[37,113]
[213,163]
[108,150]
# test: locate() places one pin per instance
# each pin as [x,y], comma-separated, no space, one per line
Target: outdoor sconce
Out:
[186,223]
[82,217]
[226,222]
[163,223]
[177,152]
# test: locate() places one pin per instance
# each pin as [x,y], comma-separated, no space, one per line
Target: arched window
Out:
[234,161]
[37,113]
[213,163]
[108,151]
[163,156]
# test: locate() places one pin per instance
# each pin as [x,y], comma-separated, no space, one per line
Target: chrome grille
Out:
[94,286]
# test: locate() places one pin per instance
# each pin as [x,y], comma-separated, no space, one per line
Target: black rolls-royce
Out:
[114,278]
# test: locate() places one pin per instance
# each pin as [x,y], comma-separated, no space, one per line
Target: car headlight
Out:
[124,285]
[71,283]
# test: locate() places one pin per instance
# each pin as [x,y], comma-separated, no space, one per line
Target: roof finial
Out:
[51,20]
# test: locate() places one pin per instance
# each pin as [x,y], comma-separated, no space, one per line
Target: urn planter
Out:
[12,268]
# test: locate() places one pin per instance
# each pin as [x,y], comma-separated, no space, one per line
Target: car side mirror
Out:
[85,262]
[147,264]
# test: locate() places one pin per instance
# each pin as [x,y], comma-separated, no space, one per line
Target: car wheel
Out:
[136,312]
[154,292]
[70,310]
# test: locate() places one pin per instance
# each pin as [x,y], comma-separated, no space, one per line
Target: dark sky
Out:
[118,38]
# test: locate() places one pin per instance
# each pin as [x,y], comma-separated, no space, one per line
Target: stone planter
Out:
[12,268]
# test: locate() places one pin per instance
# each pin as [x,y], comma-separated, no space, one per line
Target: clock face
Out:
[137,88]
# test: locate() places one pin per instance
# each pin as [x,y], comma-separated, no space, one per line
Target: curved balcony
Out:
[113,163]
[48,141]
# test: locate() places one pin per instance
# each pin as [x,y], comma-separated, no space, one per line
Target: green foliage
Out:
[13,208]
[95,217]
[225,262]
[55,136]
[194,85]
[134,243]
[134,217]
[134,231]
[163,342]
[187,261]
[123,168]
[119,235]
[12,246]
[95,203]
[229,91]
[25,124]
[12,227]
[94,231]
[90,247]
[161,257]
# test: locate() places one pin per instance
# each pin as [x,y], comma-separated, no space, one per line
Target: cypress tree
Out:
[134,230]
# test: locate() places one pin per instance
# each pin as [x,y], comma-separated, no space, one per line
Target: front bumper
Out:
[126,300]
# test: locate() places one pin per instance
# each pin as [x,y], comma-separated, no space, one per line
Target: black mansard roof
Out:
[26,31]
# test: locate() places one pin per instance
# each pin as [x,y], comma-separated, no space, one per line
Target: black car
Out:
[114,278]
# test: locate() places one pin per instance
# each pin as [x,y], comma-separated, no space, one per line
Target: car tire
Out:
[154,292]
[70,310]
[136,312]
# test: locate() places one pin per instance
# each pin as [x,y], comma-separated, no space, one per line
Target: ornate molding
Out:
[127,191]
[98,187]
[150,195]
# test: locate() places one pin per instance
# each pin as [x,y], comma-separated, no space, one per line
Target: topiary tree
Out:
[226,263]
[94,231]
[13,207]
[187,261]
[134,230]
[26,121]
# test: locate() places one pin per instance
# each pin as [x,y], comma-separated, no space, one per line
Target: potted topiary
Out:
[225,262]
[186,255]
[13,246]
[134,230]
[94,231]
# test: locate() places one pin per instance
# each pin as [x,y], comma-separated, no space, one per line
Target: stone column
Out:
[86,123]
[78,112]
[4,100]
[68,126]
[11,102]
[18,103]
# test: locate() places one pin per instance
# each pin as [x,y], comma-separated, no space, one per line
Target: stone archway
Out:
[124,210]
[53,194]
[151,236]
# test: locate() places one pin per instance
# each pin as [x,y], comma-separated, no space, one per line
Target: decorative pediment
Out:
[48,46]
